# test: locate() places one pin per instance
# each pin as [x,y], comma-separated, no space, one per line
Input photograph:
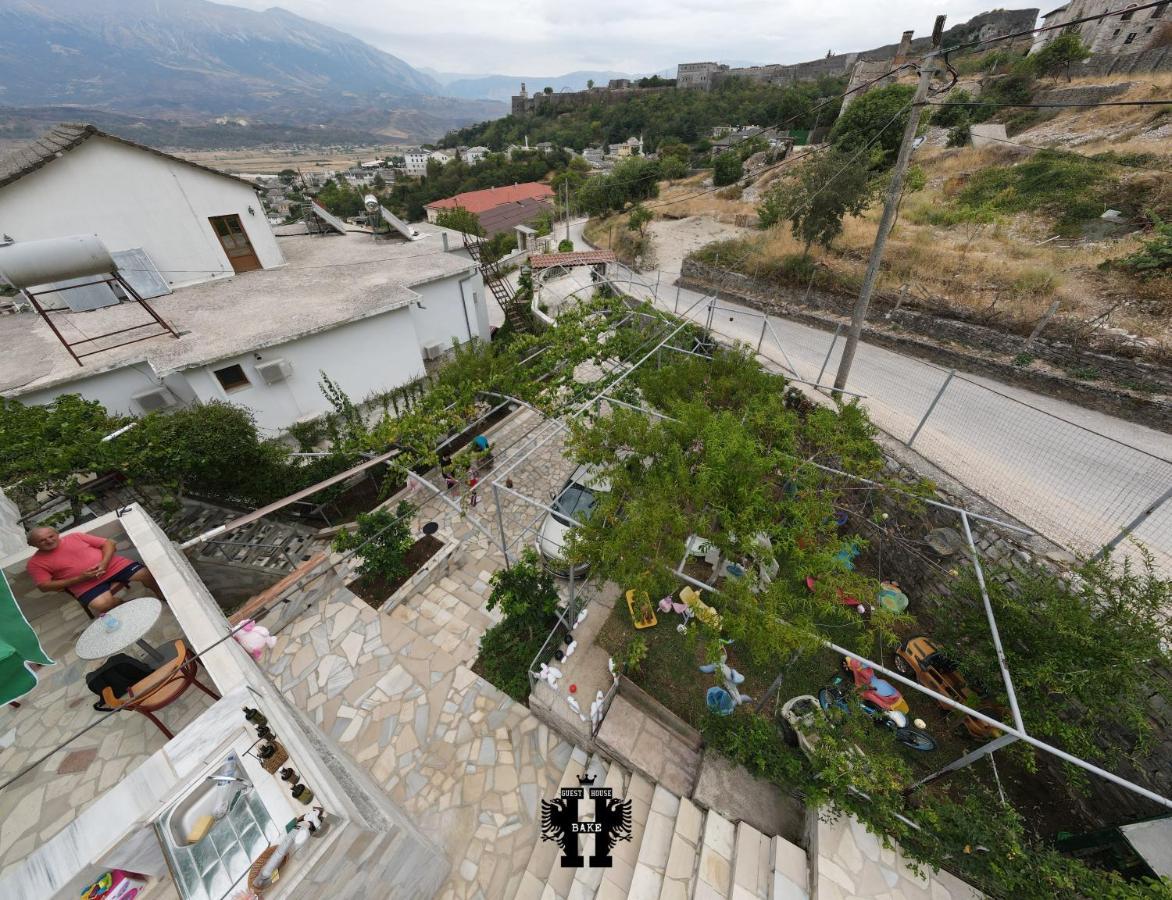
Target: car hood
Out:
[551,540]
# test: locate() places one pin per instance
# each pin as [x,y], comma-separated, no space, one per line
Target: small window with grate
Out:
[1130,38]
[232,378]
[1158,12]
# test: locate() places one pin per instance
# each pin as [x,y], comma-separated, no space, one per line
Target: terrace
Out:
[404,712]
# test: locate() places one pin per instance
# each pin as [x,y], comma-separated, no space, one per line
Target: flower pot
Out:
[642,612]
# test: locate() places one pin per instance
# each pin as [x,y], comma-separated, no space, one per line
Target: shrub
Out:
[1059,55]
[951,116]
[636,653]
[384,537]
[959,135]
[727,168]
[565,246]
[460,219]
[1154,258]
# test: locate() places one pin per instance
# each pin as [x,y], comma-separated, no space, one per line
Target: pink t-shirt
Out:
[74,554]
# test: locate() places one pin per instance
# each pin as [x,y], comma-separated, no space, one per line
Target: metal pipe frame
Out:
[1001,660]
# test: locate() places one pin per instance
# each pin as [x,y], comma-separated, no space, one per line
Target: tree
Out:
[378,182]
[286,176]
[53,448]
[672,167]
[499,245]
[589,84]
[1059,55]
[460,219]
[875,121]
[639,218]
[385,538]
[951,116]
[727,168]
[816,198]
[548,90]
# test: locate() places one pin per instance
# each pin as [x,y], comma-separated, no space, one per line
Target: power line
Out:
[1164,102]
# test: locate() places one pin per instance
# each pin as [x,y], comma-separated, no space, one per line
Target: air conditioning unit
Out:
[274,371]
[154,399]
[433,351]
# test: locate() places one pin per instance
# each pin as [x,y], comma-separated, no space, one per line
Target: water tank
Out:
[29,263]
[371,202]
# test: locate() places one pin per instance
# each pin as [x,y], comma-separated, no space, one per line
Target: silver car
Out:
[573,503]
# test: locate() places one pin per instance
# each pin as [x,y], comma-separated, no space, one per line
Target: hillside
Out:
[663,117]
[998,235]
[193,60]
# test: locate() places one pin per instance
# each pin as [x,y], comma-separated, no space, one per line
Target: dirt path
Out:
[674,239]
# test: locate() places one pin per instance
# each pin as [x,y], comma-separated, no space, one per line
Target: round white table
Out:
[135,619]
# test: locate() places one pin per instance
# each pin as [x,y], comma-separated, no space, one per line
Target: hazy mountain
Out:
[192,59]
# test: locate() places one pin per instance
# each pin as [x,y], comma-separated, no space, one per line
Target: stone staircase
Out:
[268,545]
[677,851]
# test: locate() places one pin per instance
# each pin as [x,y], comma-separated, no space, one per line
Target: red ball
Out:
[573,688]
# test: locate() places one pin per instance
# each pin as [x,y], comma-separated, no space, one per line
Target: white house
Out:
[194,223]
[369,313]
[415,161]
[475,155]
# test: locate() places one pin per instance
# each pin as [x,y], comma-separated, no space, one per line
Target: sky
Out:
[552,37]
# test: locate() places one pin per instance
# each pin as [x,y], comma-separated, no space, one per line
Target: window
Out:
[1148,30]
[1115,33]
[1159,11]
[1126,17]
[1130,38]
[232,378]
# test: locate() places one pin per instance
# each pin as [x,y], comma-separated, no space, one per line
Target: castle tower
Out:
[905,48]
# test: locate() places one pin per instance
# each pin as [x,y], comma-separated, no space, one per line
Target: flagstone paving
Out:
[395,690]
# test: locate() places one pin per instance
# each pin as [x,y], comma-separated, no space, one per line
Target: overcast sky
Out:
[551,37]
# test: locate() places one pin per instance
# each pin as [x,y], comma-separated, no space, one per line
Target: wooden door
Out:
[234,240]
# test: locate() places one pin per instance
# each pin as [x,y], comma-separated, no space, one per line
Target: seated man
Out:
[84,565]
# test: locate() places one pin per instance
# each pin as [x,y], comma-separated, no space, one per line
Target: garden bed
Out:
[376,590]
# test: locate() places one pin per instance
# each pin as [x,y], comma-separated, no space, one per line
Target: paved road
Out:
[1075,475]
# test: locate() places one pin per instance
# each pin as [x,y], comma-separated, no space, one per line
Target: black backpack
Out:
[119,673]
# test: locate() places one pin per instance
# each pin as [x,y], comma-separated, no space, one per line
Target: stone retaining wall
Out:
[968,346]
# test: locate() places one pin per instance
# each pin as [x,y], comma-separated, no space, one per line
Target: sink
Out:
[181,819]
[208,868]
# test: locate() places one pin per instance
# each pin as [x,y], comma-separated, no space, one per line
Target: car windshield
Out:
[574,502]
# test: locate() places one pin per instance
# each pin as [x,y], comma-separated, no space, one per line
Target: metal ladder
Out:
[516,312]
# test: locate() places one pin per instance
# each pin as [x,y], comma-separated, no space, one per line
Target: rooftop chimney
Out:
[905,48]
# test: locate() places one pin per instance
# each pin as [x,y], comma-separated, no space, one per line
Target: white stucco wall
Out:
[113,389]
[132,198]
[362,358]
[440,320]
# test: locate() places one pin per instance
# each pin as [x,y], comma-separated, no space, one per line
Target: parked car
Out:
[573,503]
[923,659]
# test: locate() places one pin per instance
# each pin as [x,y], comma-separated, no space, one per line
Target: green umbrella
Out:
[19,647]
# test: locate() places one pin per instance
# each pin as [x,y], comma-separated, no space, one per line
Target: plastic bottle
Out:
[255,716]
[110,621]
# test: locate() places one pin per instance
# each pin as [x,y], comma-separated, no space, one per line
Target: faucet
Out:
[228,779]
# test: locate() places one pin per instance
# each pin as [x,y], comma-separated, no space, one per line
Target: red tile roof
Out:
[481,201]
[581,258]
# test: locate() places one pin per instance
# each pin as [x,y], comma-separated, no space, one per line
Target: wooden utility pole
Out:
[890,209]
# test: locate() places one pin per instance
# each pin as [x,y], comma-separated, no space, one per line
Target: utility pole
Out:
[567,187]
[890,209]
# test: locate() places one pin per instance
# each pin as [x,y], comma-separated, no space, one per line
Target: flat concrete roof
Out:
[327,281]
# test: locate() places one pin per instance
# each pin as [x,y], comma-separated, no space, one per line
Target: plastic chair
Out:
[161,688]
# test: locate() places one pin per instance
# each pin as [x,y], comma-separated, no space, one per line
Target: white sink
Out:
[180,820]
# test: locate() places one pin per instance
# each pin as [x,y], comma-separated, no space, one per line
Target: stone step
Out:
[656,845]
[790,871]
[546,854]
[751,875]
[616,881]
[587,880]
[717,848]
[557,885]
[679,878]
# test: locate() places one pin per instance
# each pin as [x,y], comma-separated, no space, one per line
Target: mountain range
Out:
[193,61]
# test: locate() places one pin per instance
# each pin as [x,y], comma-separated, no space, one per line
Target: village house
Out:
[1128,32]
[232,312]
[499,209]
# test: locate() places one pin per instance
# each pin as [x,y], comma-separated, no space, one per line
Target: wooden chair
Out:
[161,688]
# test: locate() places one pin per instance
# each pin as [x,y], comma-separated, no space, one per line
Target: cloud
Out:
[488,36]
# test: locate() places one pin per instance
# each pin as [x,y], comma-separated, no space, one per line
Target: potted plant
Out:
[642,612]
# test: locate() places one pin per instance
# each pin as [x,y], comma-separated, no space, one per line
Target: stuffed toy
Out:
[254,638]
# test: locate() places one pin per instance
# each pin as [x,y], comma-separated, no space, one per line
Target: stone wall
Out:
[532,104]
[1158,59]
[968,346]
